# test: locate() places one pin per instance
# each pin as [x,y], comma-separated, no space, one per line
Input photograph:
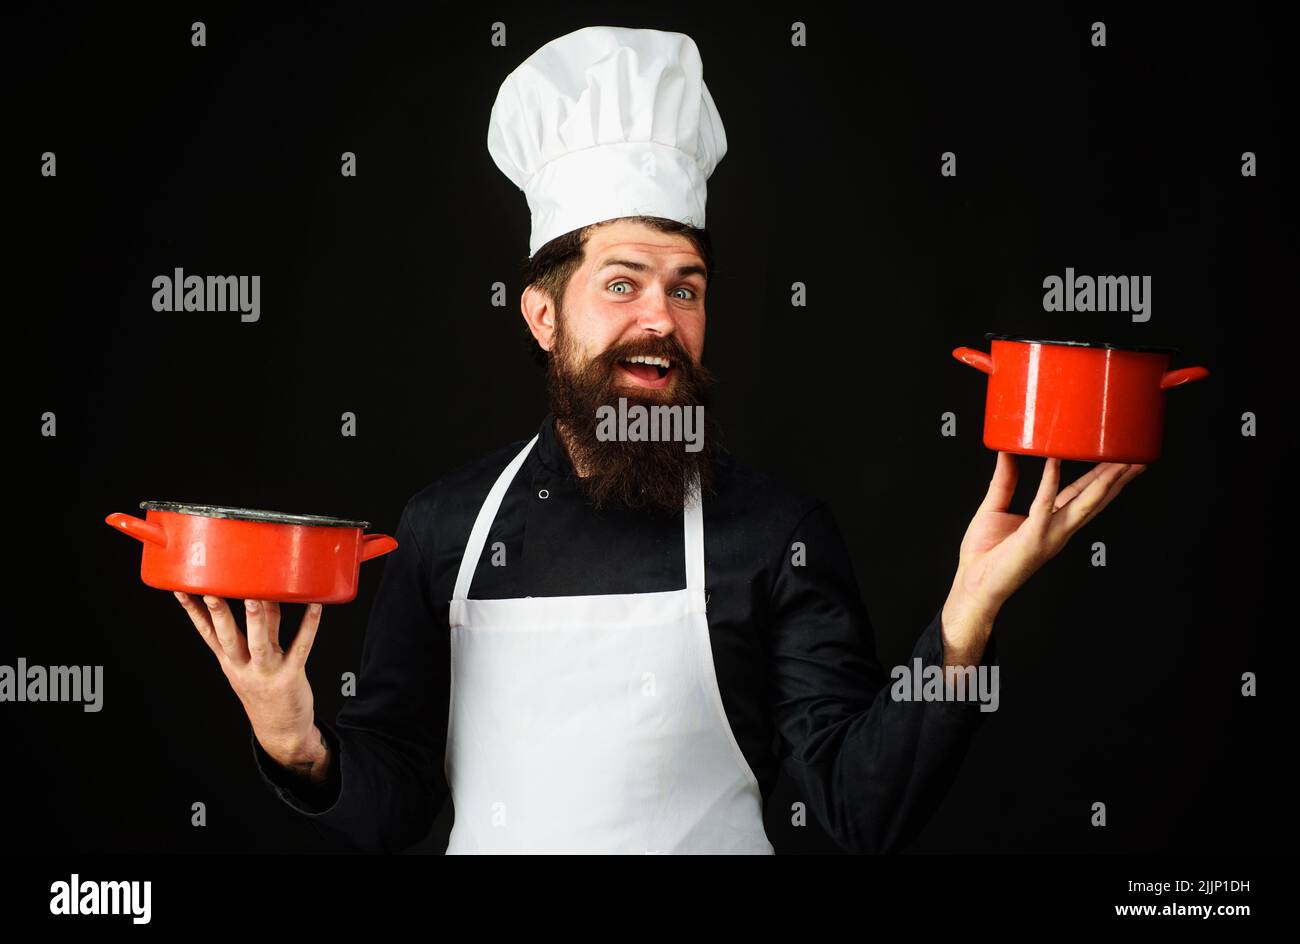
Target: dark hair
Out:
[554,263]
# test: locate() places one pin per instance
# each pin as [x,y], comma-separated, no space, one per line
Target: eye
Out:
[685,289]
[620,282]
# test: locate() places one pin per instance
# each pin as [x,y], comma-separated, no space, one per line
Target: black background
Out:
[1119,684]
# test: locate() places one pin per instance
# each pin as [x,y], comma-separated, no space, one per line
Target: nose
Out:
[653,314]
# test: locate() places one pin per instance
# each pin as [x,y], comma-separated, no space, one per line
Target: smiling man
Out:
[626,323]
[597,644]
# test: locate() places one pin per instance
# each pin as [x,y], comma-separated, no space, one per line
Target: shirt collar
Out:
[550,451]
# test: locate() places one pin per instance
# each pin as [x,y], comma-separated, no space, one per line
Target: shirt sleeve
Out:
[295,789]
[871,768]
[386,782]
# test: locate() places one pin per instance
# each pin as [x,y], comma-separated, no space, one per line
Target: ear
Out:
[539,313]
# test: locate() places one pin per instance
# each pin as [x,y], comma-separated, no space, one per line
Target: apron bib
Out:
[592,724]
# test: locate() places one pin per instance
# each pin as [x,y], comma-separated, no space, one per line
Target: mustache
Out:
[664,347]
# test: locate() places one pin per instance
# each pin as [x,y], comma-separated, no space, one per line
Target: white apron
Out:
[592,724]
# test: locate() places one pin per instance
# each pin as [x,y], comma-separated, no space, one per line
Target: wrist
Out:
[966,625]
[307,756]
[968,603]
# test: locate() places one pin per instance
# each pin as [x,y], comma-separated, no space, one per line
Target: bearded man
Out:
[613,644]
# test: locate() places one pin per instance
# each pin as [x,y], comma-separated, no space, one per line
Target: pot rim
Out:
[252,514]
[1144,348]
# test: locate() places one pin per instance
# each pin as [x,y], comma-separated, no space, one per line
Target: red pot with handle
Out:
[251,554]
[1094,402]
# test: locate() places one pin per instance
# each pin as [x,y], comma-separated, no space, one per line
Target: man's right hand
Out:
[271,683]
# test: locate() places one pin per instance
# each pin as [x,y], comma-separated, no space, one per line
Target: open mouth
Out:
[647,370]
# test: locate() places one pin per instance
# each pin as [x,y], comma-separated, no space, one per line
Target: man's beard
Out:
[640,474]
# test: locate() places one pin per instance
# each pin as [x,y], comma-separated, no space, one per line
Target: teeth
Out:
[645,359]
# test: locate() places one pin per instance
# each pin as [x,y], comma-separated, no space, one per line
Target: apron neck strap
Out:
[483,523]
[692,522]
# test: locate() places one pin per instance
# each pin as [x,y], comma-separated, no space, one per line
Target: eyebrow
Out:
[680,271]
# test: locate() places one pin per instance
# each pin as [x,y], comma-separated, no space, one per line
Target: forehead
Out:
[636,241]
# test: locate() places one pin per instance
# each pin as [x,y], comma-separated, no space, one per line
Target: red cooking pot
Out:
[250,554]
[1074,399]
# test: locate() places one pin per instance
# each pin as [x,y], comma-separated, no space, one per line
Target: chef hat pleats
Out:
[607,122]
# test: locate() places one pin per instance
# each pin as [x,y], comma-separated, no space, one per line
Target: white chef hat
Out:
[607,122]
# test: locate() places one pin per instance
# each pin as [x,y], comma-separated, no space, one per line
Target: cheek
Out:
[693,341]
[597,333]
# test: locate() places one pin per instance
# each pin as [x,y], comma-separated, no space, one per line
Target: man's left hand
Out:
[1001,550]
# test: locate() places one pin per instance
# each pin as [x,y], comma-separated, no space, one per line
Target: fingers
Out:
[1003,486]
[1072,490]
[1040,512]
[1098,493]
[223,621]
[302,642]
[202,622]
[1127,476]
[263,620]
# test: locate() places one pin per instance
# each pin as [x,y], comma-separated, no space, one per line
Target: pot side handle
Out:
[138,528]
[376,545]
[1184,375]
[977,359]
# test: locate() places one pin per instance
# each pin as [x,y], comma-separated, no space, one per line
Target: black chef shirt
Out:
[793,649]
